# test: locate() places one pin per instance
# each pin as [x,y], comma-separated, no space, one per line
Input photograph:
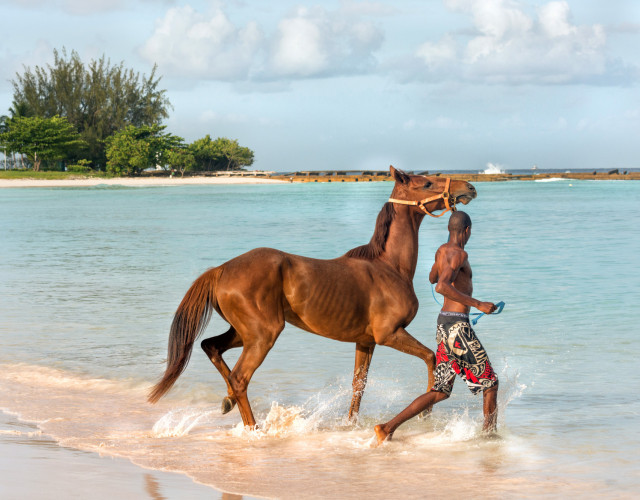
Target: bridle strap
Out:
[445,195]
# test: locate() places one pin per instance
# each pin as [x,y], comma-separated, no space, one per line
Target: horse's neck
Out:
[401,249]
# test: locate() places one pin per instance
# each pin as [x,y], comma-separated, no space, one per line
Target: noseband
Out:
[445,195]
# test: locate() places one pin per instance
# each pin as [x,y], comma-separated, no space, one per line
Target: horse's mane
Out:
[378,242]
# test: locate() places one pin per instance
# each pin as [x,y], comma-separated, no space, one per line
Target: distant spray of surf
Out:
[493,168]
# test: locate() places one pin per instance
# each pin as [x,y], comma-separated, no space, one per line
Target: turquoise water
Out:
[90,278]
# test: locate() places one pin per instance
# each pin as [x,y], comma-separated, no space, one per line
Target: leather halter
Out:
[449,203]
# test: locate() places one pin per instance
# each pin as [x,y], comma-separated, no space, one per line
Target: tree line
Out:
[76,116]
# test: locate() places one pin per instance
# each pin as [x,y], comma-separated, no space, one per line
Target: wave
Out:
[492,168]
[297,451]
[552,179]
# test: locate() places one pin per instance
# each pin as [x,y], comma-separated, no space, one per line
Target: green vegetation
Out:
[102,117]
[48,175]
[220,154]
[41,139]
[133,149]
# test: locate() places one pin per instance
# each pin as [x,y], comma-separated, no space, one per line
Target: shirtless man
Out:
[459,350]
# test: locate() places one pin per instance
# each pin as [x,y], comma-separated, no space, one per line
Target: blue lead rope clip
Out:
[499,306]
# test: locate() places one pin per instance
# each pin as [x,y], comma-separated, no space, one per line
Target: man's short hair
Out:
[459,221]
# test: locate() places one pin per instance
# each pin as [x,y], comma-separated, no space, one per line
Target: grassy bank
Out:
[52,176]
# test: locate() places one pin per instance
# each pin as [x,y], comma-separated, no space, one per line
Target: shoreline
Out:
[34,463]
[150,181]
[133,181]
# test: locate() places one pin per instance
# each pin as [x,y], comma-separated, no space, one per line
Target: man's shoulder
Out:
[450,250]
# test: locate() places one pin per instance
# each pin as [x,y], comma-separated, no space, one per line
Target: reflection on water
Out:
[152,487]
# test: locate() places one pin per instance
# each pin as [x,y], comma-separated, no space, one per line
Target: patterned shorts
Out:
[460,352]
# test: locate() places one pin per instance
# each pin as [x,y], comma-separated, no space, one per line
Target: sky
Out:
[423,85]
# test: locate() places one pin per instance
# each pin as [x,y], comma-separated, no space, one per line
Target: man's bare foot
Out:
[381,434]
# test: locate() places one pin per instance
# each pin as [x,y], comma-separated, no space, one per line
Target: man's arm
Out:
[448,268]
[433,274]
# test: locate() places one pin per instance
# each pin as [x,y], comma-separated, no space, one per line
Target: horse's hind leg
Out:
[363,361]
[252,356]
[214,347]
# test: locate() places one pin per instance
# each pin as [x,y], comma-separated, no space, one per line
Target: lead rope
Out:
[500,306]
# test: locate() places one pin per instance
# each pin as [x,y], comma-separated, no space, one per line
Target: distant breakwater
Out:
[337,176]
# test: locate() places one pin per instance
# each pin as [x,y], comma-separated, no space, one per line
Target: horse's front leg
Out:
[363,361]
[403,341]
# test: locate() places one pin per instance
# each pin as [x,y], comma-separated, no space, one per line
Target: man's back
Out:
[453,268]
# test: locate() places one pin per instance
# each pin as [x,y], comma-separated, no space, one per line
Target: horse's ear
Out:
[398,175]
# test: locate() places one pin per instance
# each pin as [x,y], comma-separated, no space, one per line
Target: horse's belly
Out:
[331,314]
[330,329]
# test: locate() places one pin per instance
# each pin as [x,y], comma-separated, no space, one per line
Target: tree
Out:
[181,159]
[40,139]
[99,99]
[206,155]
[134,149]
[220,154]
[235,155]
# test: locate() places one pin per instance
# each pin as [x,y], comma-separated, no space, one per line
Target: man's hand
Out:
[486,307]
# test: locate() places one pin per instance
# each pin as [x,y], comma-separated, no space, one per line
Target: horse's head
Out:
[429,194]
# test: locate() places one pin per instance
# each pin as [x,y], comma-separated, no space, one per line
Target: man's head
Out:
[460,224]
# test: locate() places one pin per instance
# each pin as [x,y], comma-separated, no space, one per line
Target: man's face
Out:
[467,234]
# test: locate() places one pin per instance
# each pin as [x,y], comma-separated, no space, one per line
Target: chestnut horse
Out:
[366,296]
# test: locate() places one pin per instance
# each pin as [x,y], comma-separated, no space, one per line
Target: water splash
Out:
[551,179]
[179,422]
[492,168]
[281,421]
[460,428]
[510,387]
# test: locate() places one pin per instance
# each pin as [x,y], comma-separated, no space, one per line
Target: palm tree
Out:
[4,127]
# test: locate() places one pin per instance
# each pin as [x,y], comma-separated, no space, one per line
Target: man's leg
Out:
[490,408]
[421,403]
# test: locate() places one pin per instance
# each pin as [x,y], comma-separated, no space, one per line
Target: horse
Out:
[365,296]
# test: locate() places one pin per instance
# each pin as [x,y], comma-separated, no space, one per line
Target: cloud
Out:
[76,7]
[79,7]
[316,42]
[15,62]
[508,45]
[188,43]
[307,43]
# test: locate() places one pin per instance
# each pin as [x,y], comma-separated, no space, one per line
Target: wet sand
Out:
[33,466]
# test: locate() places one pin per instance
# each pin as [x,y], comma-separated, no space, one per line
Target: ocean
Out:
[90,279]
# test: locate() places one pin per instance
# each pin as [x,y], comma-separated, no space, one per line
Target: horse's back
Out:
[345,298]
[336,298]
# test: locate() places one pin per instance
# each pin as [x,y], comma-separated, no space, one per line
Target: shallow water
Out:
[90,278]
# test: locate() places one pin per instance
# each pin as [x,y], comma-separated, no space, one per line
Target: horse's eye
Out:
[427,185]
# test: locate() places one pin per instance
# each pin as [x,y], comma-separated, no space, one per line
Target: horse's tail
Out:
[189,322]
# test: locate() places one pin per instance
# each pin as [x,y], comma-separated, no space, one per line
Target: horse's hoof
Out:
[228,404]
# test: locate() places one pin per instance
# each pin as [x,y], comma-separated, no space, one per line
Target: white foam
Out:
[492,168]
[59,379]
[179,422]
[551,179]
[5,432]
[281,421]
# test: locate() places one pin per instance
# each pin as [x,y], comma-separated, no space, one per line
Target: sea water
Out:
[90,279]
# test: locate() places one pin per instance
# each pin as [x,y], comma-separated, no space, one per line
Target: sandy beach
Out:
[34,466]
[152,181]
[134,181]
